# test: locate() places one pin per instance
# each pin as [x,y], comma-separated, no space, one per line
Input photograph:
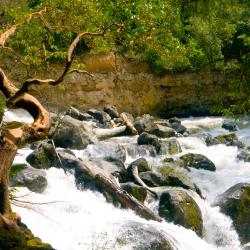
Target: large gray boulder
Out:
[112,111]
[229,125]
[179,207]
[235,203]
[141,236]
[141,164]
[101,116]
[34,179]
[139,192]
[197,161]
[43,156]
[163,131]
[229,139]
[144,123]
[148,139]
[175,123]
[176,177]
[70,133]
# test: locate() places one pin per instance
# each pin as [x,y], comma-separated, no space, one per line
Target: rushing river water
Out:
[71,219]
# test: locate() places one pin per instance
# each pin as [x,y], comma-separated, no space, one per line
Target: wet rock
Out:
[175,177]
[114,168]
[141,236]
[175,123]
[23,239]
[229,139]
[148,139]
[144,123]
[170,147]
[163,131]
[180,208]
[139,192]
[68,160]
[43,157]
[100,116]
[141,164]
[197,161]
[229,125]
[70,133]
[112,111]
[235,203]
[34,179]
[207,138]
[244,155]
[75,113]
[152,179]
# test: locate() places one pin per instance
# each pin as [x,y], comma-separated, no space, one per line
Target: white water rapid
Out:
[70,219]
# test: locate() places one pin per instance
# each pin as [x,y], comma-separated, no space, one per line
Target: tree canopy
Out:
[170,35]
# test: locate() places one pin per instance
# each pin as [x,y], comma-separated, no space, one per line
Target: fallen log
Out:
[107,133]
[125,199]
[129,124]
[138,180]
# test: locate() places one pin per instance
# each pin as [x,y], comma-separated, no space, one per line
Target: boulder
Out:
[229,125]
[34,179]
[207,138]
[42,157]
[175,177]
[197,161]
[142,166]
[21,239]
[70,133]
[235,203]
[163,131]
[170,147]
[139,192]
[152,179]
[115,168]
[101,116]
[111,111]
[144,123]
[75,113]
[142,236]
[229,139]
[175,123]
[179,207]
[148,139]
[244,155]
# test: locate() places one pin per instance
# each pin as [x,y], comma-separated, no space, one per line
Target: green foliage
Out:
[169,35]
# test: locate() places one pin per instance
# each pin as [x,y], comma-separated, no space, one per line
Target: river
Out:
[70,219]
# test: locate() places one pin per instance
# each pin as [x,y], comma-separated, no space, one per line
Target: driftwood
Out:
[88,172]
[129,124]
[107,133]
[126,200]
[138,180]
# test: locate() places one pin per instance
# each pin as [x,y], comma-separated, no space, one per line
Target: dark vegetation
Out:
[170,36]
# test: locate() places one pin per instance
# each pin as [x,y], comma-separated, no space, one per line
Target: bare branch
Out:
[69,60]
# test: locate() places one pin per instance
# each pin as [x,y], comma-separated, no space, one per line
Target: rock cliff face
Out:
[130,86]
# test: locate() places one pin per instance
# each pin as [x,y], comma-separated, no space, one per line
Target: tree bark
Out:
[126,200]
[8,152]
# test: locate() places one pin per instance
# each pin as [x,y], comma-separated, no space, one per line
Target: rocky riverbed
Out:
[187,181]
